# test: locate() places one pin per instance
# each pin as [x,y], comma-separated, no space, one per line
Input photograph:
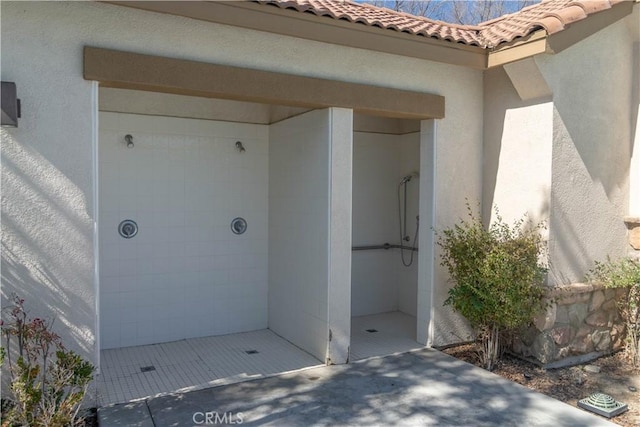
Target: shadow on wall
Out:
[47,250]
[589,150]
[450,327]
[496,108]
[569,250]
[591,161]
[634,204]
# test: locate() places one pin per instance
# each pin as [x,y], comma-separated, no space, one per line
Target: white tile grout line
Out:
[129,383]
[113,391]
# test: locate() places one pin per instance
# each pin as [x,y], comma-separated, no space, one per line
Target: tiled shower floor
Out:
[198,363]
[195,364]
[396,333]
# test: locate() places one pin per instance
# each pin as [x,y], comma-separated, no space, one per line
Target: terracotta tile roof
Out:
[373,16]
[550,15]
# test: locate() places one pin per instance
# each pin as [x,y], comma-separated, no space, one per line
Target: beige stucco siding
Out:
[592,136]
[633,25]
[565,158]
[517,151]
[47,163]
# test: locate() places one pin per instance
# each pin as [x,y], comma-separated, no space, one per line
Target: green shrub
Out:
[497,277]
[48,382]
[623,274]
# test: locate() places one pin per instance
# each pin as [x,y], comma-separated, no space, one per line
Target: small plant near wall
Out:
[498,281]
[48,382]
[623,274]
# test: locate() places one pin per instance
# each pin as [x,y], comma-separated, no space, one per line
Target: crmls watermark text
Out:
[211,418]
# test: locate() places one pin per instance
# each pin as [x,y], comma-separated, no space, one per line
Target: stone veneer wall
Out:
[633,225]
[582,324]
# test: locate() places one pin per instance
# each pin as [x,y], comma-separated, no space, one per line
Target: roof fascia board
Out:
[521,48]
[127,70]
[311,27]
[582,29]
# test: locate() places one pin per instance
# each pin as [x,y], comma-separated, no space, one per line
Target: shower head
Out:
[129,140]
[409,177]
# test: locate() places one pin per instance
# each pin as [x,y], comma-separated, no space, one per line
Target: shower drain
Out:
[371,331]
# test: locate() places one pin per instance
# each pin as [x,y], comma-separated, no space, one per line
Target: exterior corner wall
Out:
[633,23]
[458,178]
[634,184]
[592,140]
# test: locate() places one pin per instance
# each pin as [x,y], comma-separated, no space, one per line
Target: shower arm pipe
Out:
[384,246]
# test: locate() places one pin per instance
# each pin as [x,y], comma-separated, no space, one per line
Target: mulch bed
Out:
[571,383]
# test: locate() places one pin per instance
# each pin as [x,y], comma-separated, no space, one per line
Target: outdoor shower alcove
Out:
[386,195]
[185,157]
[190,168]
[230,199]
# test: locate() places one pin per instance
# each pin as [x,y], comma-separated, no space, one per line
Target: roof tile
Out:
[550,15]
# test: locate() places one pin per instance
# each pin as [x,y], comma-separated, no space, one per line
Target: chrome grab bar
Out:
[384,246]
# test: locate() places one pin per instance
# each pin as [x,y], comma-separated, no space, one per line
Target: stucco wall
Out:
[565,158]
[458,155]
[47,188]
[517,152]
[633,24]
[593,111]
[47,162]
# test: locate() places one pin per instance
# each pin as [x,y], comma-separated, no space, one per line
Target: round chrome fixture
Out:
[129,140]
[128,228]
[238,225]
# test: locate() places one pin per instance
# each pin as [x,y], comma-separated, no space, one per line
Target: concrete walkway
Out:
[425,388]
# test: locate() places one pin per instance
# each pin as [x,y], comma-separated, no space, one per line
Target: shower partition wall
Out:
[309,231]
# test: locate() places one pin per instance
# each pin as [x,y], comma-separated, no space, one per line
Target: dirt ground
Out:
[617,377]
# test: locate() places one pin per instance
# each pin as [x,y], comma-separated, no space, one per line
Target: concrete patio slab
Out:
[133,414]
[425,387]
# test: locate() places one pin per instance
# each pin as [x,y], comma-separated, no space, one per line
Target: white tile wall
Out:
[408,276]
[298,230]
[185,274]
[379,281]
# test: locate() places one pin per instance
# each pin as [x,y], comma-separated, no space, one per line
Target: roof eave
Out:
[582,29]
[309,26]
[318,28]
[541,42]
[520,48]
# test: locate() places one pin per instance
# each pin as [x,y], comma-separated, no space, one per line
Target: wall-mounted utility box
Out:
[10,105]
